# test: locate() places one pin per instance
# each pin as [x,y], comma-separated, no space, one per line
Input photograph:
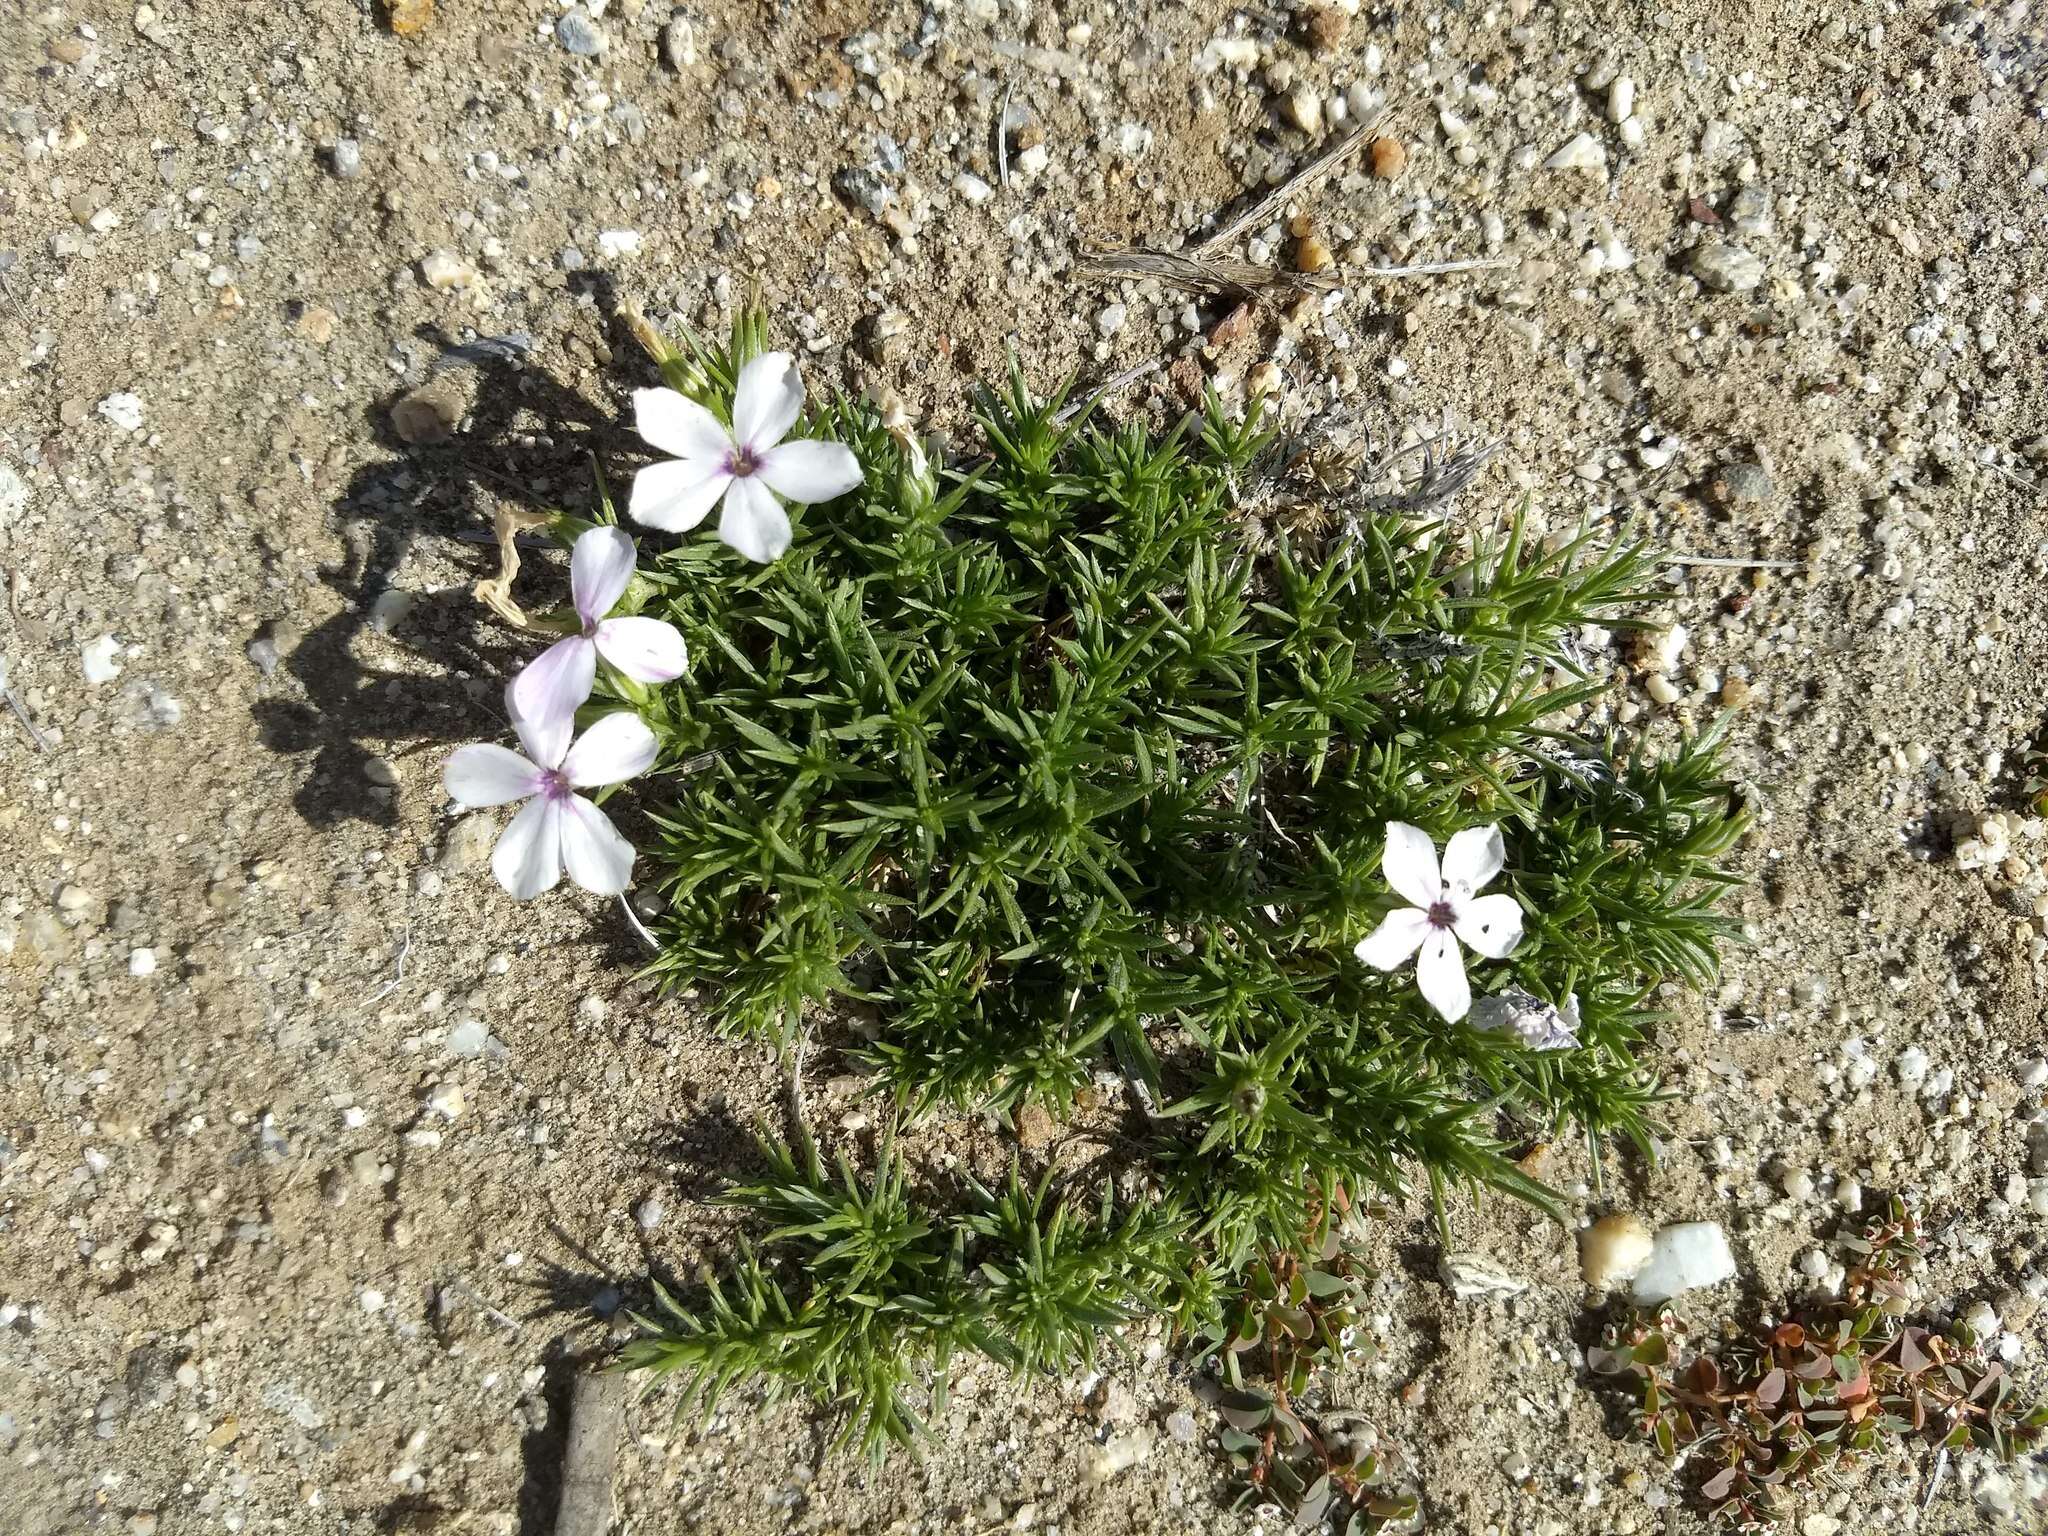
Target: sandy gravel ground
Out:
[320,1158]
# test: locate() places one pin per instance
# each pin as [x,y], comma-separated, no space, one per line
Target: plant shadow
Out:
[357,692]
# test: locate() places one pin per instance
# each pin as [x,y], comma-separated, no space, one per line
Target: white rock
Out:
[1120,1454]
[1581,152]
[390,609]
[13,495]
[1032,162]
[1471,1275]
[1797,1183]
[1911,1064]
[615,243]
[141,962]
[1981,1319]
[972,187]
[447,1101]
[1684,1257]
[444,269]
[648,1213]
[1110,318]
[99,658]
[123,410]
[372,1300]
[1621,99]
[2034,1073]
[1614,1249]
[1304,109]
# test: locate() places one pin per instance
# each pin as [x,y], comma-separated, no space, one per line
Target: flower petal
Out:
[1471,858]
[1398,936]
[1409,864]
[600,566]
[675,496]
[545,696]
[1490,925]
[528,858]
[809,471]
[487,774]
[611,751]
[766,402]
[598,858]
[646,650]
[676,424]
[753,521]
[1440,973]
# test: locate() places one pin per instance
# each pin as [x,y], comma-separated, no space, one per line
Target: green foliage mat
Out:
[1065,763]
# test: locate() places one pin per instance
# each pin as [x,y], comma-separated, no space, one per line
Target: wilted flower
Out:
[557,828]
[748,467]
[554,685]
[1539,1025]
[1445,912]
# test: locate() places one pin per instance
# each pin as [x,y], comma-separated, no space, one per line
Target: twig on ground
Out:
[1203,274]
[596,1410]
[21,713]
[1934,1481]
[1106,388]
[639,927]
[1732,563]
[1442,268]
[1003,140]
[398,978]
[1266,207]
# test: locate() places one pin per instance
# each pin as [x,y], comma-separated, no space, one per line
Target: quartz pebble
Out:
[123,410]
[1725,268]
[443,270]
[1684,1257]
[1581,152]
[347,159]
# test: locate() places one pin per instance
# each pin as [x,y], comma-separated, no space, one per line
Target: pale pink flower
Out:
[1445,912]
[556,828]
[748,467]
[555,683]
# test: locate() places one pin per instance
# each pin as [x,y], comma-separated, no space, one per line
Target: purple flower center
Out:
[554,785]
[1442,914]
[741,462]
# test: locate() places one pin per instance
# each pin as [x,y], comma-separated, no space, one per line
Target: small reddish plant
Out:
[1795,1401]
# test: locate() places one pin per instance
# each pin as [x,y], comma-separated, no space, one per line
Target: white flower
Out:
[1539,1025]
[749,466]
[555,683]
[1445,912]
[557,828]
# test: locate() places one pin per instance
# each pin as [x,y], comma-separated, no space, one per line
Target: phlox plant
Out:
[1070,768]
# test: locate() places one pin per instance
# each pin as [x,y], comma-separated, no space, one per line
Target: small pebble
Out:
[443,270]
[1740,482]
[1389,157]
[648,1213]
[142,962]
[123,410]
[1621,99]
[1613,1249]
[579,34]
[1725,268]
[347,159]
[1581,152]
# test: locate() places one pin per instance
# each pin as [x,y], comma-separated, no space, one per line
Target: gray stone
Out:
[579,34]
[863,188]
[468,843]
[1735,484]
[1726,268]
[347,159]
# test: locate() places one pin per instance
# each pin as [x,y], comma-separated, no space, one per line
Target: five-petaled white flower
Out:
[554,685]
[1445,912]
[557,827]
[749,466]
